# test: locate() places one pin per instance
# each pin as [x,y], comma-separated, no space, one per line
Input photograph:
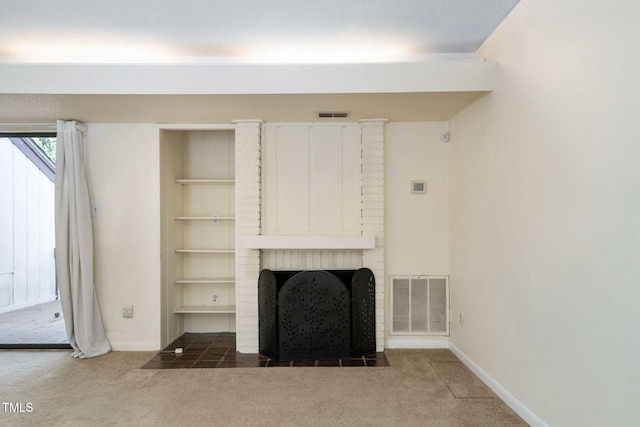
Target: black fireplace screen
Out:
[309,315]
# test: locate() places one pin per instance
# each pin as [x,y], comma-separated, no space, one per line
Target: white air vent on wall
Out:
[419,305]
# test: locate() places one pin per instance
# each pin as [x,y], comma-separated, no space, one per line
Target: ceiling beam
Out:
[464,75]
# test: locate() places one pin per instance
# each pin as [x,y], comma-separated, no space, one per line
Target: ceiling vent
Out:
[333,114]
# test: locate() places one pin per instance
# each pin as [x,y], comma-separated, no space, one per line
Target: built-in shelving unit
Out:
[207,218]
[205,280]
[206,251]
[206,309]
[198,217]
[205,181]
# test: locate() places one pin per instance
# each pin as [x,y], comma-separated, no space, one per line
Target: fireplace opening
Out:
[316,314]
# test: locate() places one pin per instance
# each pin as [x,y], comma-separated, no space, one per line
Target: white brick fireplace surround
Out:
[255,251]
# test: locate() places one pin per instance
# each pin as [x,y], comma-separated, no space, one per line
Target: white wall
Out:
[123,174]
[545,214]
[417,225]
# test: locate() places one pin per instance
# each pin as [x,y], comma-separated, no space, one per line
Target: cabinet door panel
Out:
[312,179]
[292,179]
[351,179]
[325,179]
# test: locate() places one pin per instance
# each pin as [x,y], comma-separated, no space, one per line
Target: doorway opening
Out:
[30,311]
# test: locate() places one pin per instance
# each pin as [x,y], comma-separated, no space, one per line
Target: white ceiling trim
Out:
[109,79]
[27,127]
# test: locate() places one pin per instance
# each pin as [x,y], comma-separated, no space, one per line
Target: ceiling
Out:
[239,32]
[246,30]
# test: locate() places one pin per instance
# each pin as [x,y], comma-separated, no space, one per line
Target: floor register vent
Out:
[420,305]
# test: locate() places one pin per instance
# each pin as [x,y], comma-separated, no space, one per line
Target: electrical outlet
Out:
[127,311]
[215,299]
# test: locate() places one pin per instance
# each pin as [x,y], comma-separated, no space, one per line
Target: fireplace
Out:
[316,314]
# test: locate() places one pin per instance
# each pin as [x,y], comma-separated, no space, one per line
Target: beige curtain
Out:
[74,246]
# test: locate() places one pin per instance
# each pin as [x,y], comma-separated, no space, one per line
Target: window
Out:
[39,148]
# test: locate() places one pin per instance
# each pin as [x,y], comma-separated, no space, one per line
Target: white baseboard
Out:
[517,406]
[134,346]
[417,342]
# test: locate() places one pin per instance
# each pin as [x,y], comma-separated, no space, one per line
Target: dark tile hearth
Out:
[218,350]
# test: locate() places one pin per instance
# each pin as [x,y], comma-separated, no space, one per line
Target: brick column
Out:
[373,212]
[248,202]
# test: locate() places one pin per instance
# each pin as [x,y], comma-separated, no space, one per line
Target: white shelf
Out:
[205,309]
[221,218]
[229,280]
[206,251]
[205,181]
[310,242]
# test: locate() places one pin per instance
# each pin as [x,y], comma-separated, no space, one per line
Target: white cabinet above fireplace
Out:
[311,179]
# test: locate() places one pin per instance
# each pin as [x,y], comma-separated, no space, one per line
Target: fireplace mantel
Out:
[310,242]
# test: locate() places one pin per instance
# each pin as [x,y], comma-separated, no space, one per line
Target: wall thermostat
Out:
[418,187]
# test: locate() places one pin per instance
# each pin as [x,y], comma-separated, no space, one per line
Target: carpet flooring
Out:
[419,388]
